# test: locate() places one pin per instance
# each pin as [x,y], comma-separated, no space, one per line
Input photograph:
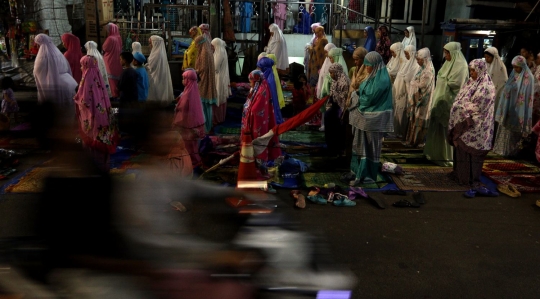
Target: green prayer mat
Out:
[321,178]
[303,137]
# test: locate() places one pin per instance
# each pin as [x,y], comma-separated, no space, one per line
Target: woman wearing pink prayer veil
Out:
[205,28]
[280,13]
[111,53]
[189,117]
[97,125]
[73,54]
[53,74]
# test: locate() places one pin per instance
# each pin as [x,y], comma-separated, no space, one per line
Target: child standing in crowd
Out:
[142,79]
[127,84]
[9,104]
[128,114]
[300,94]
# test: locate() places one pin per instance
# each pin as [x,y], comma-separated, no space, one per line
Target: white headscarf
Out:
[404,77]
[313,26]
[221,63]
[428,71]
[278,46]
[395,63]
[411,40]
[410,67]
[263,54]
[159,75]
[498,73]
[324,69]
[92,50]
[52,73]
[136,46]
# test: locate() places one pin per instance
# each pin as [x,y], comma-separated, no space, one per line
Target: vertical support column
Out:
[389,18]
[98,28]
[424,17]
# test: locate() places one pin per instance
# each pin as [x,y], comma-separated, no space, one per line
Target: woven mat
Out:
[505,166]
[427,179]
[29,182]
[524,182]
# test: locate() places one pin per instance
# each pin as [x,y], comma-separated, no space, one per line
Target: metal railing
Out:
[141,32]
[181,17]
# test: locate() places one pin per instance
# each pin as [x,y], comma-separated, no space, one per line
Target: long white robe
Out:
[52,74]
[400,89]
[278,46]
[498,73]
[159,74]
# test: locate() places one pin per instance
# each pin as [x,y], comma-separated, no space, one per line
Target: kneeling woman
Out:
[371,116]
[470,130]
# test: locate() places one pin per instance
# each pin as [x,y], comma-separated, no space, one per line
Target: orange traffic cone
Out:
[247,171]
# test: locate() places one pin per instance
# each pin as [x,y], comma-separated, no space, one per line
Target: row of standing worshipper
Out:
[90,103]
[160,89]
[382,46]
[199,57]
[470,116]
[512,113]
[159,85]
[202,104]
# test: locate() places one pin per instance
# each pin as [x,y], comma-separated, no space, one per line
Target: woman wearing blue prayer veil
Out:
[371,40]
[265,64]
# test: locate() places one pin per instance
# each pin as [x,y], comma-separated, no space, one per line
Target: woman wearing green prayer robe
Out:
[452,75]
[371,116]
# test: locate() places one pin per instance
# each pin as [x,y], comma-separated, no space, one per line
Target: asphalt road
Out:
[451,247]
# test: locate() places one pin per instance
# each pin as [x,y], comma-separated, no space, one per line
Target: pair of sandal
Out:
[417,196]
[354,192]
[480,191]
[341,200]
[509,190]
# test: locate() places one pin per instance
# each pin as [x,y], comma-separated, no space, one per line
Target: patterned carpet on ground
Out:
[19,143]
[124,164]
[524,175]
[426,179]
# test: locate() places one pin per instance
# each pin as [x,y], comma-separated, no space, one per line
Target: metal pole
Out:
[534,8]
[389,18]
[261,25]
[424,11]
[341,16]
[377,14]
[98,28]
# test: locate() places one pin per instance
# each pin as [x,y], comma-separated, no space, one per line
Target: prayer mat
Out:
[505,166]
[324,163]
[392,146]
[319,179]
[524,182]
[303,138]
[30,181]
[407,159]
[427,179]
[19,143]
